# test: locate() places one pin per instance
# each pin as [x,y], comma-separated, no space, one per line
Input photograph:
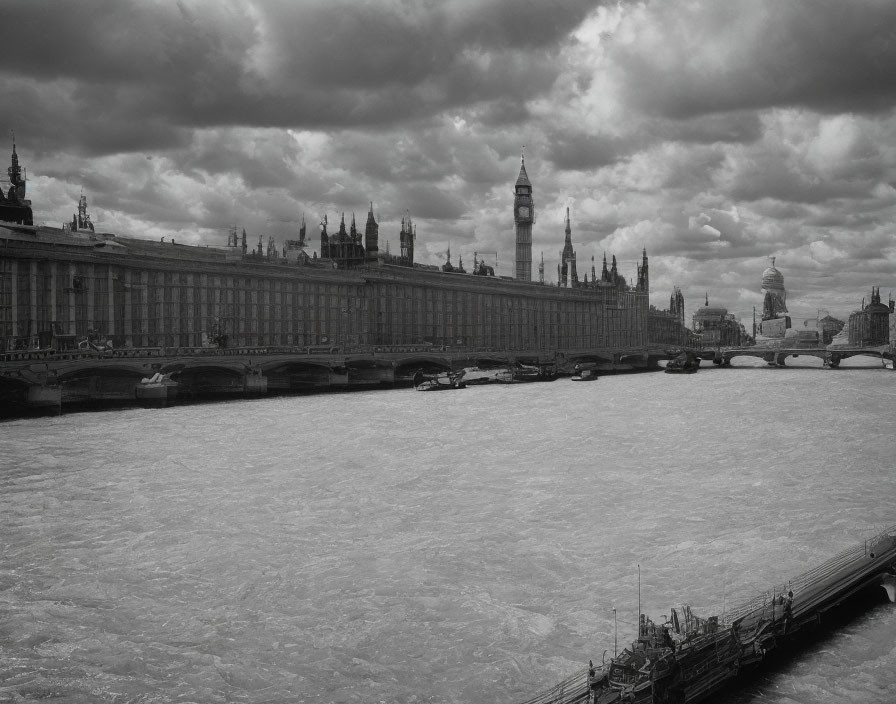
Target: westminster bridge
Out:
[777,356]
[45,381]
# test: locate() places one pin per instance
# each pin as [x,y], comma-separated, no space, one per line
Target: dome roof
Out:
[772,278]
[712,311]
[877,308]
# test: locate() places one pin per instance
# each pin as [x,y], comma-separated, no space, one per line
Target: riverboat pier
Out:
[689,658]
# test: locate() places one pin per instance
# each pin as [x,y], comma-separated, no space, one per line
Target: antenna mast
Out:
[639,600]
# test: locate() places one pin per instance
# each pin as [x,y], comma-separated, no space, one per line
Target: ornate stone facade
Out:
[14,207]
[870,326]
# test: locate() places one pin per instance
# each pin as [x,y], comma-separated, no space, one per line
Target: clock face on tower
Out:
[523,211]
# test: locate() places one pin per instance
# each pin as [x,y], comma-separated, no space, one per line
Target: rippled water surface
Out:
[394,546]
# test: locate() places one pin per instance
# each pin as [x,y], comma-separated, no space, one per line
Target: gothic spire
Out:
[523,178]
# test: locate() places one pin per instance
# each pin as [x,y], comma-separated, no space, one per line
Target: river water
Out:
[394,546]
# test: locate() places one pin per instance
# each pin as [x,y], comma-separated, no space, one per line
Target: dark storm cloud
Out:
[827,55]
[262,159]
[569,150]
[275,64]
[773,176]
[706,131]
[732,127]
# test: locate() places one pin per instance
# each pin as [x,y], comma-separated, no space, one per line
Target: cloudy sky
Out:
[715,134]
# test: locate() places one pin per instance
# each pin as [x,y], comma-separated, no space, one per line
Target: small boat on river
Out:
[157,391]
[685,363]
[442,381]
[585,372]
[513,374]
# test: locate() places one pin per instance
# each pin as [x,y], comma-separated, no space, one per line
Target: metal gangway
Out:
[819,584]
[572,690]
[813,590]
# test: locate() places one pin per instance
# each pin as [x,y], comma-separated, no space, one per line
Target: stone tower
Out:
[644,273]
[568,275]
[407,236]
[524,217]
[371,235]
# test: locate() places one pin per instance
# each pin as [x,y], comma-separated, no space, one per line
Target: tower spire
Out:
[568,257]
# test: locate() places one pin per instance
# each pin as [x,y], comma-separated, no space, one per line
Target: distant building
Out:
[449,268]
[716,327]
[669,324]
[64,286]
[80,221]
[870,326]
[775,322]
[829,327]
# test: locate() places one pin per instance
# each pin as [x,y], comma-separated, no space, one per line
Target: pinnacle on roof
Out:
[523,178]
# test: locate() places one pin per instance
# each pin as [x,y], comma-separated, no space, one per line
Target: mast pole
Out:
[639,600]
[615,633]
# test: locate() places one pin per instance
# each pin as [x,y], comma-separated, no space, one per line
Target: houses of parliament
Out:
[62,286]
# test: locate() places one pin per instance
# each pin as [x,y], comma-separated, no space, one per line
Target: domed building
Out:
[716,327]
[775,322]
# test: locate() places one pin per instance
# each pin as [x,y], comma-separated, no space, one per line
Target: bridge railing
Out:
[90,353]
[807,579]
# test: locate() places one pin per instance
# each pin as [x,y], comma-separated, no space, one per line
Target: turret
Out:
[353,232]
[371,235]
[447,265]
[407,236]
[16,177]
[643,276]
[568,258]
[14,207]
[324,238]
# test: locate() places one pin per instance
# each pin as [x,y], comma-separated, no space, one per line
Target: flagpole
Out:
[639,600]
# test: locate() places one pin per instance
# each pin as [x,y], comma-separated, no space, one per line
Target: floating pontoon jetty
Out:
[688,658]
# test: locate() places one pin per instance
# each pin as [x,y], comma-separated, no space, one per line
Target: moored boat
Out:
[156,391]
[585,372]
[685,363]
[443,381]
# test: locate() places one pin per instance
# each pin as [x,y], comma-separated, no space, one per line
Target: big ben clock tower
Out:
[523,216]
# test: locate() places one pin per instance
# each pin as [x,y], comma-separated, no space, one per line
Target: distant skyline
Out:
[713,134]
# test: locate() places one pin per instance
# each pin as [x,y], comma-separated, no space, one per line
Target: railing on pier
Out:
[574,688]
[807,579]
